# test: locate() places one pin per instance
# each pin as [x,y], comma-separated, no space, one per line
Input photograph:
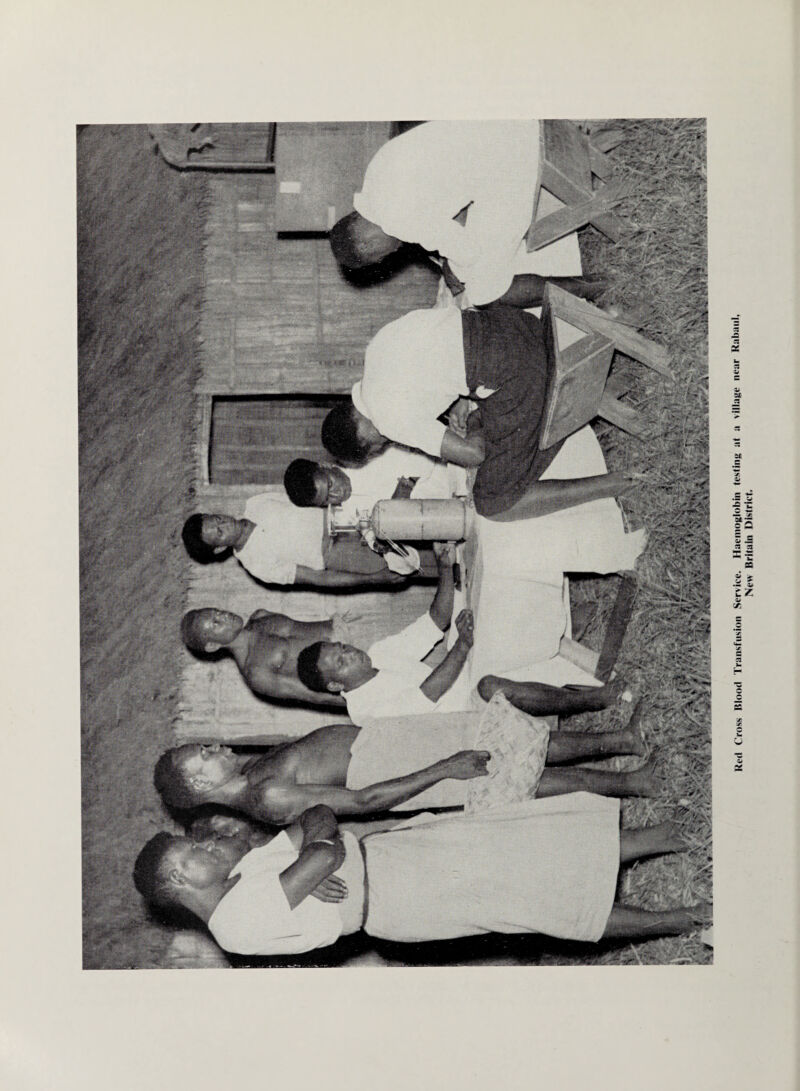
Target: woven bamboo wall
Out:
[278,318]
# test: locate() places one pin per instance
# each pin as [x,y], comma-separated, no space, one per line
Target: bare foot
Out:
[642,782]
[632,742]
[670,837]
[702,914]
[616,690]
[634,728]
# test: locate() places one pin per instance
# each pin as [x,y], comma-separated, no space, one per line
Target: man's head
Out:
[358,243]
[325,667]
[313,485]
[209,629]
[206,537]
[188,776]
[173,871]
[351,437]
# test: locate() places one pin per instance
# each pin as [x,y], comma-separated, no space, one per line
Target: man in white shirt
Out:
[396,473]
[391,679]
[429,362]
[547,866]
[464,191]
[280,543]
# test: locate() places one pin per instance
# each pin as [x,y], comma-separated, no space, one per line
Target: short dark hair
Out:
[345,243]
[308,668]
[149,876]
[340,435]
[190,638]
[300,483]
[192,535]
[171,781]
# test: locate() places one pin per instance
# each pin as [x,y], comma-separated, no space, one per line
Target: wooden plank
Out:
[625,339]
[591,210]
[617,626]
[578,654]
[623,416]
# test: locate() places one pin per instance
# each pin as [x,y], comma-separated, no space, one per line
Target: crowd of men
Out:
[540,851]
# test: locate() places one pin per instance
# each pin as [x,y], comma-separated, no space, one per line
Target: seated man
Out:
[464,191]
[279,543]
[265,648]
[355,491]
[420,365]
[548,866]
[391,678]
[361,771]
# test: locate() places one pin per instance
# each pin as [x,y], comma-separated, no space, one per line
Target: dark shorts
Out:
[504,350]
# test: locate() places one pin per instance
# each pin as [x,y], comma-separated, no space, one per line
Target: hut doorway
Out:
[251,439]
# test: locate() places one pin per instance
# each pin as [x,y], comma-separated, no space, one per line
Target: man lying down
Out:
[548,866]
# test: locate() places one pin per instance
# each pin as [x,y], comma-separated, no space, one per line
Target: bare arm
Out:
[314,864]
[329,578]
[283,803]
[442,677]
[441,610]
[463,450]
[268,683]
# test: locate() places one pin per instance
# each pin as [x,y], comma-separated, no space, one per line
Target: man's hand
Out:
[404,488]
[332,889]
[465,624]
[458,416]
[468,764]
[445,553]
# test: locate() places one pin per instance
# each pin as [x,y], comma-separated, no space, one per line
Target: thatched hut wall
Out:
[278,318]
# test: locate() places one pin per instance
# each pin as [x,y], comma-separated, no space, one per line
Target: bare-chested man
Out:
[265,649]
[360,771]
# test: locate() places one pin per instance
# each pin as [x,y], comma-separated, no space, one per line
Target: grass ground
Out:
[140,266]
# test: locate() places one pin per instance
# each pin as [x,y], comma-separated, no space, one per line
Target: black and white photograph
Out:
[398,411]
[394,543]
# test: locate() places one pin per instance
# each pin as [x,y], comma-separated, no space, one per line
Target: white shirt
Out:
[418,182]
[284,537]
[395,689]
[254,917]
[377,480]
[413,371]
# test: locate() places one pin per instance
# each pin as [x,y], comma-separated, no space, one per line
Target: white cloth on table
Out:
[546,865]
[588,538]
[254,917]
[418,182]
[284,536]
[522,609]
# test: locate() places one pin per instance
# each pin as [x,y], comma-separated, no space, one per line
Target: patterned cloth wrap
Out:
[518,745]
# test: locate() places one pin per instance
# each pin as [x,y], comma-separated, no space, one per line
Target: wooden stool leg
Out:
[622,416]
[617,625]
[595,209]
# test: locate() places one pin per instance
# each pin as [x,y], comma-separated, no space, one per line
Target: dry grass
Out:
[661,266]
